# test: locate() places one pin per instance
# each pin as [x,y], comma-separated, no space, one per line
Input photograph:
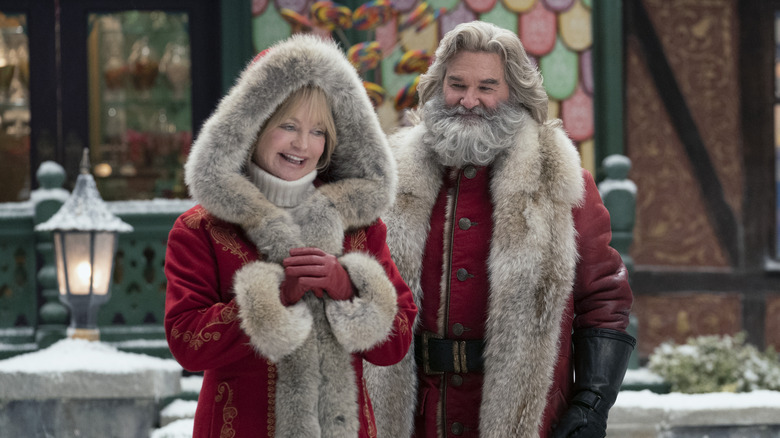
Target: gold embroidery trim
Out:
[358,241]
[228,315]
[403,323]
[271,420]
[193,221]
[229,412]
[221,235]
[370,424]
[227,239]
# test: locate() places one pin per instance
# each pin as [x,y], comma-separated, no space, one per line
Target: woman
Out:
[280,283]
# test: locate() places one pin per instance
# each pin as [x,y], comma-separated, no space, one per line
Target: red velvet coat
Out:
[601,297]
[525,259]
[204,333]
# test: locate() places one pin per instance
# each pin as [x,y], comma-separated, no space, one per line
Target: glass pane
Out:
[14,109]
[777,132]
[103,262]
[76,247]
[140,103]
[59,255]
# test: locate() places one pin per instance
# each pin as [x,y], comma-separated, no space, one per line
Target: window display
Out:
[140,105]
[14,108]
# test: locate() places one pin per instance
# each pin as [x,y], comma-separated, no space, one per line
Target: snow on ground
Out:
[689,402]
[178,429]
[75,354]
[676,401]
[78,354]
[179,408]
[640,376]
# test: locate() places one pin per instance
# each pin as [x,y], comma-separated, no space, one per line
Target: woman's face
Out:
[291,149]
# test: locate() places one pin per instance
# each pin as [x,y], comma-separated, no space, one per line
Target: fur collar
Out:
[360,182]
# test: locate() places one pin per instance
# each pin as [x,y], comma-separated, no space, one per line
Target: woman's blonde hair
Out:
[319,109]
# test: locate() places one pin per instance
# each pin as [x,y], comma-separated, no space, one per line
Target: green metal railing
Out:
[18,300]
[31,315]
[619,196]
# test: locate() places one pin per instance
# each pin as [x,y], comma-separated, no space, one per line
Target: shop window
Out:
[14,108]
[777,130]
[139,103]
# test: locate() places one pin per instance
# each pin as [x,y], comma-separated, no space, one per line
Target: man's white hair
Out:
[522,75]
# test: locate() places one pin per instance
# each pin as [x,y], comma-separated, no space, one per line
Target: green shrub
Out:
[716,364]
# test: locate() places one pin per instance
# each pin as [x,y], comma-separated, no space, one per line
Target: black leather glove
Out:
[600,362]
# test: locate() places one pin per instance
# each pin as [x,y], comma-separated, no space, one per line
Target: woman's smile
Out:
[292,148]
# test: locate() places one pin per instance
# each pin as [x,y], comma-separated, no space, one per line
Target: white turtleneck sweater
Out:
[282,193]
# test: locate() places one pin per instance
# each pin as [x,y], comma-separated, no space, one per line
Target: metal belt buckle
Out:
[426,353]
[459,357]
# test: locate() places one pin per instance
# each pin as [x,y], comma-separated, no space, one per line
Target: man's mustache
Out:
[459,110]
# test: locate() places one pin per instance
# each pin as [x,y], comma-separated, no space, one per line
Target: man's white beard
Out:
[460,136]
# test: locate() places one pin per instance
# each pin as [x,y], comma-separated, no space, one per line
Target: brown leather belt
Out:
[437,355]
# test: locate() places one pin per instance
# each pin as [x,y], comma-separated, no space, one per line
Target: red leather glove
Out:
[319,272]
[290,292]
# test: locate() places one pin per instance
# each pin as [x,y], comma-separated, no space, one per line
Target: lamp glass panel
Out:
[77,262]
[105,244]
[59,256]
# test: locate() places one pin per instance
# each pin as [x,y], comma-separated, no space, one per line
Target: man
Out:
[504,241]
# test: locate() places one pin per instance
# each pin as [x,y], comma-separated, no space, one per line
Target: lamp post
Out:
[85,241]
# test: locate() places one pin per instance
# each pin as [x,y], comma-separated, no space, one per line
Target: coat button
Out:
[456,380]
[457,329]
[470,172]
[457,428]
[462,274]
[464,223]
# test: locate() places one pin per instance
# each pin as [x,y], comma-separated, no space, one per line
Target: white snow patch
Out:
[676,401]
[191,384]
[78,354]
[178,429]
[180,409]
[641,375]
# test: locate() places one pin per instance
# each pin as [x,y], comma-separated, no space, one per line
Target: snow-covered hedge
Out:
[716,364]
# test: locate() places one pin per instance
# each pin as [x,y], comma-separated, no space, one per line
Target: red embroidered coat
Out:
[204,332]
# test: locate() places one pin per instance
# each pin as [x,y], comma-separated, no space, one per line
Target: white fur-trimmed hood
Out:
[312,341]
[360,179]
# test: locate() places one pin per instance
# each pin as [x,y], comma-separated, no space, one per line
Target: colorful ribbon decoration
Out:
[372,14]
[413,61]
[375,92]
[298,21]
[330,15]
[407,96]
[365,56]
[422,16]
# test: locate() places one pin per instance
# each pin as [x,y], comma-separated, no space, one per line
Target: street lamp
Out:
[85,241]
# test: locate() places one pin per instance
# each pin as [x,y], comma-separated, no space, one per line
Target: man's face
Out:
[475,79]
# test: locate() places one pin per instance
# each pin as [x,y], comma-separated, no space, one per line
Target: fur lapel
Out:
[531,268]
[408,223]
[393,389]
